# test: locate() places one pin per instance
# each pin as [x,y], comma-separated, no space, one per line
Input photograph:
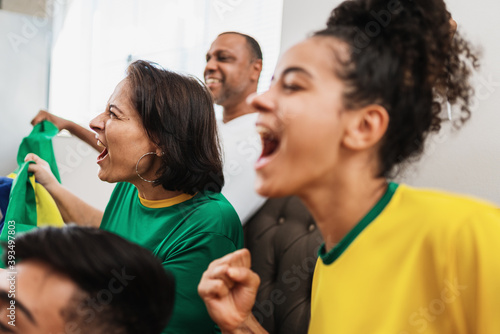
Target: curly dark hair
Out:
[178,115]
[404,57]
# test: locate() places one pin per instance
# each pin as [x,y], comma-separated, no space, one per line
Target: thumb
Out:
[32,156]
[35,158]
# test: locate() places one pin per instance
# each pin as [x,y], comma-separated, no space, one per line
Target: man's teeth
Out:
[99,143]
[211,80]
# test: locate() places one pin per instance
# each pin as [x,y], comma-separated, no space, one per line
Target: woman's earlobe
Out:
[159,152]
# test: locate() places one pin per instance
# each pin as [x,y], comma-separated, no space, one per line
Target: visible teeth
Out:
[211,80]
[99,143]
[264,132]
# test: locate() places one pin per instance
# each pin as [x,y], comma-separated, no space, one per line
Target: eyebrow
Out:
[292,70]
[5,297]
[218,51]
[296,69]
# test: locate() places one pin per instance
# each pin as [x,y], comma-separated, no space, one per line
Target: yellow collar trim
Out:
[164,203]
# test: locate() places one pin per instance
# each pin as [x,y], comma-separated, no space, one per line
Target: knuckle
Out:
[218,284]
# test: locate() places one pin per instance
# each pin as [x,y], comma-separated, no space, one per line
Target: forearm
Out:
[249,326]
[83,134]
[73,209]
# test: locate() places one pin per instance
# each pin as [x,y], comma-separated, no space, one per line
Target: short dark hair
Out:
[410,66]
[96,260]
[252,44]
[178,115]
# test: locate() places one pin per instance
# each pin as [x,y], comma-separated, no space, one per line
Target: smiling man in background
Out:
[234,63]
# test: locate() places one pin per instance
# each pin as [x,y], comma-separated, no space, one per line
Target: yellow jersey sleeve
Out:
[475,262]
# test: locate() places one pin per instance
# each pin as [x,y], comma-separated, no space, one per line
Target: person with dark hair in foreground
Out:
[83,280]
[345,108]
[159,142]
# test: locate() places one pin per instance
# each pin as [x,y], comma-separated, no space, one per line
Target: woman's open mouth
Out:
[104,152]
[270,145]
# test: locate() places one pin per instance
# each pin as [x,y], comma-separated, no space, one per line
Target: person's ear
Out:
[159,152]
[366,127]
[256,69]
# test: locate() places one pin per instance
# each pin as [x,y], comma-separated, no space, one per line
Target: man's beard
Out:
[223,95]
[226,93]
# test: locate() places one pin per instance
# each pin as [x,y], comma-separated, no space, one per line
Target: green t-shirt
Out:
[186,233]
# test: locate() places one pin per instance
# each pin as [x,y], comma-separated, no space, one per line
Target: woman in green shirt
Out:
[159,143]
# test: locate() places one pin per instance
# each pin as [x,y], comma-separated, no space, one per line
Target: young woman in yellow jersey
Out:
[344,108]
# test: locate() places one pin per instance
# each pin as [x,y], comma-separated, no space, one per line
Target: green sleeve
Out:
[187,263]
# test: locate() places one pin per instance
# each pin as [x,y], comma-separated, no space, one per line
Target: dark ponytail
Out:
[404,57]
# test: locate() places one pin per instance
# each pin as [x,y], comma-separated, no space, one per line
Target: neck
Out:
[237,109]
[147,191]
[339,204]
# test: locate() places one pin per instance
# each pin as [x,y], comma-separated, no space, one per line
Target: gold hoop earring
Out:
[137,166]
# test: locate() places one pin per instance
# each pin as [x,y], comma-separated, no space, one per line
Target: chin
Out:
[105,178]
[268,188]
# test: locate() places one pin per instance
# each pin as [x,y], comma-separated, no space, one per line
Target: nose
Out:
[262,102]
[97,123]
[211,66]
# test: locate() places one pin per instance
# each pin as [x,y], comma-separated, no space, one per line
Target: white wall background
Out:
[24,60]
[301,18]
[467,161]
[25,44]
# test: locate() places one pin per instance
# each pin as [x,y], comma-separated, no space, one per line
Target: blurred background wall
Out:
[34,72]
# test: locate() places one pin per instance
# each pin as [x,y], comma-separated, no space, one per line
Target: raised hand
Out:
[42,115]
[229,287]
[42,171]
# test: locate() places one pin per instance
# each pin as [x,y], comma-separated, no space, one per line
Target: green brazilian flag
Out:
[21,215]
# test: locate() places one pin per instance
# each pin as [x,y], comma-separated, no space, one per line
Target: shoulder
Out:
[244,121]
[240,126]
[439,209]
[214,214]
[213,203]
[442,200]
[210,216]
[442,227]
